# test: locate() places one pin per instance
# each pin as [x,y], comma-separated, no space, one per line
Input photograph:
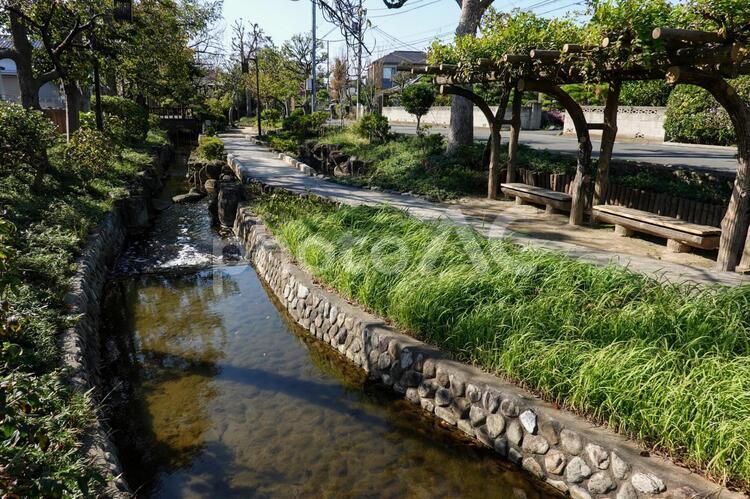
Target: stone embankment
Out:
[81,344]
[556,447]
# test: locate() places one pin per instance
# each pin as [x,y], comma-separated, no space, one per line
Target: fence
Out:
[531,116]
[172,113]
[653,202]
[57,116]
[633,122]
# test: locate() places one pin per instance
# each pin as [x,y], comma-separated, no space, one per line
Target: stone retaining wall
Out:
[80,344]
[561,449]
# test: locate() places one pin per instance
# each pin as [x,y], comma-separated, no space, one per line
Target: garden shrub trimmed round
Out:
[125,120]
[210,148]
[25,135]
[88,153]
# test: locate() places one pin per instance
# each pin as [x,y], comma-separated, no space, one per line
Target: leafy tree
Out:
[279,82]
[417,99]
[298,53]
[155,55]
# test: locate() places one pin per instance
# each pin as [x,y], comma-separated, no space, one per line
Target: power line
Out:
[561,7]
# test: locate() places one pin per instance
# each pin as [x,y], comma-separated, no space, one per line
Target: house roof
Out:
[399,56]
[6,42]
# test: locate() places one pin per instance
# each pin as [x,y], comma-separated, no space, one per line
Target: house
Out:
[381,71]
[50,95]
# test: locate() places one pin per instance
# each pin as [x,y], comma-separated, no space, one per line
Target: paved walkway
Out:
[258,163]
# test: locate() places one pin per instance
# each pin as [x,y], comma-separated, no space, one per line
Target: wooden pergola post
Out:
[583,162]
[495,122]
[515,129]
[734,226]
[609,134]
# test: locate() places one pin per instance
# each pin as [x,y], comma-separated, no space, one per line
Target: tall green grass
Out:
[669,364]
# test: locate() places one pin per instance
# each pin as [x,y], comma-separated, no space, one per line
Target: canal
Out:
[216,393]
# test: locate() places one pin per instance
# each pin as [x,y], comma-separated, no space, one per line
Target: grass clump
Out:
[414,164]
[665,363]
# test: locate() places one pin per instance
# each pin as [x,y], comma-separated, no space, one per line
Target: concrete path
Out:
[259,163]
[712,158]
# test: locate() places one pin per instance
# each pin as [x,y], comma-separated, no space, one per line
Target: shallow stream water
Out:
[220,395]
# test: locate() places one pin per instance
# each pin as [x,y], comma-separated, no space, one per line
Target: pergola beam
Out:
[687,35]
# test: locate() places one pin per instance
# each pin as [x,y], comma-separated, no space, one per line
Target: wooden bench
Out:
[524,193]
[680,235]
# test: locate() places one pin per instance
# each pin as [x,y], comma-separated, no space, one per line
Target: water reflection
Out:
[234,401]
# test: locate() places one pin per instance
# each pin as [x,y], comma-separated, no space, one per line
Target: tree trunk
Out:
[72,108]
[609,134]
[515,130]
[461,130]
[494,170]
[735,223]
[419,118]
[23,58]
[494,121]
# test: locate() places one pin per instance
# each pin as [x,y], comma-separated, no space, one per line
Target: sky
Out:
[412,27]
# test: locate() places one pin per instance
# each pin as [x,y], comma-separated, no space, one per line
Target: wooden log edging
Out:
[554,446]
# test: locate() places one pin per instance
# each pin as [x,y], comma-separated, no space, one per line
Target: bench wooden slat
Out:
[552,199]
[537,191]
[659,220]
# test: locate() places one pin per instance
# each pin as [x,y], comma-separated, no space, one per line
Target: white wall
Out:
[531,116]
[50,96]
[633,122]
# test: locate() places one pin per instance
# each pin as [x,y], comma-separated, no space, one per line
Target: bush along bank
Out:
[665,364]
[48,416]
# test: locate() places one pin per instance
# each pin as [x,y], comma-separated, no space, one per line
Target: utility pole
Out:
[257,90]
[314,59]
[359,55]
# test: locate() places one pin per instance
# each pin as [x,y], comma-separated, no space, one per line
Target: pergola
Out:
[705,59]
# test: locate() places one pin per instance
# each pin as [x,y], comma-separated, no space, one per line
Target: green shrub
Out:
[25,136]
[645,93]
[89,153]
[125,120]
[246,121]
[283,144]
[305,125]
[210,148]
[270,115]
[694,116]
[215,125]
[373,127]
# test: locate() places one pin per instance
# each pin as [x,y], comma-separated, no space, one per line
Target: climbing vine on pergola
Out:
[679,56]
